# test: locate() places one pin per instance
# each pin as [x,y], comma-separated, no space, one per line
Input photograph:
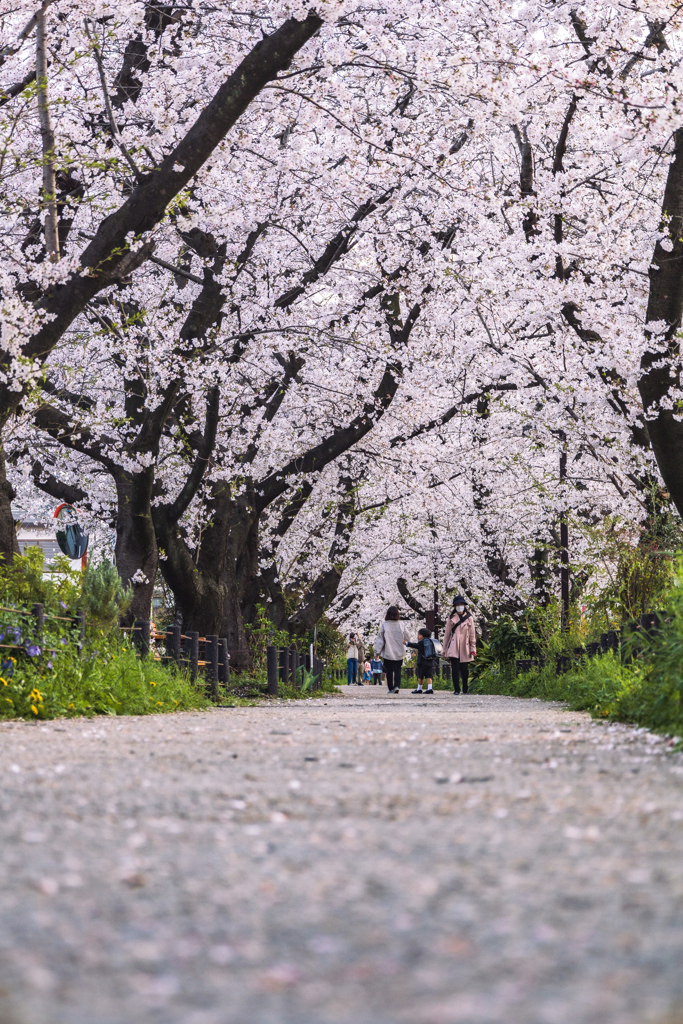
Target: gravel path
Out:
[368,860]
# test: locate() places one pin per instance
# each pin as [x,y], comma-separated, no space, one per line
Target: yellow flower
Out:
[159,704]
[3,681]
[33,709]
[71,705]
[152,683]
[9,701]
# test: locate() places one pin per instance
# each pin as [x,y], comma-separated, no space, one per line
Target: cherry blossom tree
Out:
[355,339]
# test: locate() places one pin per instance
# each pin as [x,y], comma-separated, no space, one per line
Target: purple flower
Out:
[49,664]
[63,604]
[63,640]
[33,650]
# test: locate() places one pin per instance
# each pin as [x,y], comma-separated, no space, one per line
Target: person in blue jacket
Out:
[377,668]
[426,656]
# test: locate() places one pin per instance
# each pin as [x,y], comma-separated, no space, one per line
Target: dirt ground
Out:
[362,859]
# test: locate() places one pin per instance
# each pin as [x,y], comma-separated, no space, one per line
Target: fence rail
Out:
[286,665]
[616,640]
[38,615]
[207,654]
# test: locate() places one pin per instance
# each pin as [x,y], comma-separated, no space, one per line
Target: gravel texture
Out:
[366,859]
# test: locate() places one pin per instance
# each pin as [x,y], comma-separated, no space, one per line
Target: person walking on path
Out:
[426,657]
[377,669]
[351,660]
[390,646]
[460,643]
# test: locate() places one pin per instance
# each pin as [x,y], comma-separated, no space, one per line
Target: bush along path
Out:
[642,683]
[61,651]
[63,655]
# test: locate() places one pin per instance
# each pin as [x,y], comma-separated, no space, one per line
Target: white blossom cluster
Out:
[439,219]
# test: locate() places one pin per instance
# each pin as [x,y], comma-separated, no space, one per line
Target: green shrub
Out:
[24,583]
[110,679]
[104,597]
[260,635]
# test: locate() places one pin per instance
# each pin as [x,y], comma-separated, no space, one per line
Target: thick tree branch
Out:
[57,489]
[107,256]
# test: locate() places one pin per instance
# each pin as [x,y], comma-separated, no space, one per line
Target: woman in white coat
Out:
[390,646]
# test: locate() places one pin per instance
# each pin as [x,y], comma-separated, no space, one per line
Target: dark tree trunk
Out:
[136,547]
[209,587]
[9,545]
[660,366]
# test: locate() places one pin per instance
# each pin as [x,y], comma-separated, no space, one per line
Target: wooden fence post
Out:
[141,637]
[271,662]
[284,666]
[193,653]
[78,622]
[38,613]
[317,673]
[173,642]
[224,661]
[211,668]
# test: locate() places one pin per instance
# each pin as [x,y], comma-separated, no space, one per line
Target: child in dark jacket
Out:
[425,660]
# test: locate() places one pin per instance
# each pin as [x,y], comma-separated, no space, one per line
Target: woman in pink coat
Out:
[460,643]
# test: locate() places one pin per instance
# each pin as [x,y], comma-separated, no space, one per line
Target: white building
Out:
[32,532]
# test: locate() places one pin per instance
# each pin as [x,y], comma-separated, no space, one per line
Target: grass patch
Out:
[111,682]
[251,689]
[639,694]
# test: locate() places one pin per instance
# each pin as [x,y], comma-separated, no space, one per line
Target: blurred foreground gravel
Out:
[371,859]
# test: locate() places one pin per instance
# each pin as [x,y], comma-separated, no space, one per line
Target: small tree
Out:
[105,599]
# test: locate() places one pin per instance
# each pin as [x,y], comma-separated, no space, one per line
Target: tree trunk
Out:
[9,545]
[209,587]
[136,550]
[660,365]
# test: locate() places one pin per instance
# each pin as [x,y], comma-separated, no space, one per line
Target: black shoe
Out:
[457,691]
[430,690]
[396,689]
[419,690]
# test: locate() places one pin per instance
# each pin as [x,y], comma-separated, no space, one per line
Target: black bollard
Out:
[271,662]
[211,667]
[38,612]
[141,636]
[192,648]
[284,666]
[223,661]
[173,642]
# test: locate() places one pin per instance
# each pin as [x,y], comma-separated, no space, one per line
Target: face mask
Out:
[460,608]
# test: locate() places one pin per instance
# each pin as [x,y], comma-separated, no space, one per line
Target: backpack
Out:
[428,648]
